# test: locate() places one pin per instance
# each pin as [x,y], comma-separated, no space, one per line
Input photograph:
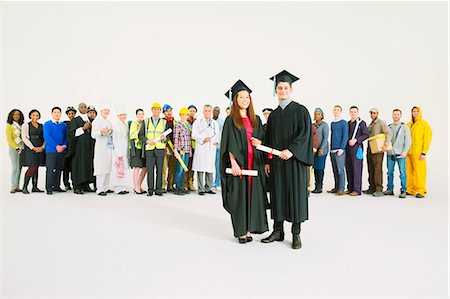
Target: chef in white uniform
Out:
[102,133]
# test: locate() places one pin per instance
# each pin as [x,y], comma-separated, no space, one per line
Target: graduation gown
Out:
[248,214]
[81,151]
[290,129]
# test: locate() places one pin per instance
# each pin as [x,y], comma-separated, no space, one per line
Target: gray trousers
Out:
[14,157]
[209,179]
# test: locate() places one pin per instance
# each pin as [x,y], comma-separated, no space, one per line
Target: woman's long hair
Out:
[10,117]
[236,115]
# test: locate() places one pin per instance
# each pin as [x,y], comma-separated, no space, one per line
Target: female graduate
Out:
[243,196]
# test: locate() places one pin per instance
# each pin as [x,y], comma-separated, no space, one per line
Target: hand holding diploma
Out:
[248,172]
[255,141]
[286,154]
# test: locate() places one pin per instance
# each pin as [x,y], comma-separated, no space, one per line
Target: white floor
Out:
[128,246]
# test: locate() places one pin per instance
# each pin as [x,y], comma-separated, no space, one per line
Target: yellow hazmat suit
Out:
[416,169]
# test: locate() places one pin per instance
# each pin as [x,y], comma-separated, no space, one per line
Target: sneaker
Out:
[368,191]
[389,192]
[402,195]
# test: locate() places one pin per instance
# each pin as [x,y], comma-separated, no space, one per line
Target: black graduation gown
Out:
[246,215]
[81,151]
[290,129]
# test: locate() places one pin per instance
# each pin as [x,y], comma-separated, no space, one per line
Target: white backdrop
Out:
[389,55]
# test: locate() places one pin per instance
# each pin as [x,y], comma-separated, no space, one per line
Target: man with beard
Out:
[81,151]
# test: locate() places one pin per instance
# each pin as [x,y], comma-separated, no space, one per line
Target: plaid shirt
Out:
[182,137]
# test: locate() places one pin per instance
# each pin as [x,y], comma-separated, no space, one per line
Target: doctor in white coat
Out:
[120,152]
[102,133]
[206,133]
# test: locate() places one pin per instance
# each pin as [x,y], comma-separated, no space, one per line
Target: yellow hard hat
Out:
[156,105]
[184,110]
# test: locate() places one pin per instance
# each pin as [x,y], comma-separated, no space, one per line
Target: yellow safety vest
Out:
[134,135]
[152,132]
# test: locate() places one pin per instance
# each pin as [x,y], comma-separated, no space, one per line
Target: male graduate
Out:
[289,130]
[81,150]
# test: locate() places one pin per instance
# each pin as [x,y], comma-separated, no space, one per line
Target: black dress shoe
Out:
[59,190]
[102,194]
[68,188]
[274,236]
[201,193]
[159,193]
[110,191]
[149,193]
[242,240]
[49,192]
[76,191]
[88,189]
[122,192]
[249,238]
[210,192]
[141,192]
[296,242]
[36,190]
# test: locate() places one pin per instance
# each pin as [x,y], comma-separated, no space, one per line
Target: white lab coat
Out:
[102,153]
[205,153]
[120,140]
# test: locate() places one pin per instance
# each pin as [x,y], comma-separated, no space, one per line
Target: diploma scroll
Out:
[247,172]
[268,150]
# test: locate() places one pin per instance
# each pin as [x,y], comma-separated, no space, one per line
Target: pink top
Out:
[249,131]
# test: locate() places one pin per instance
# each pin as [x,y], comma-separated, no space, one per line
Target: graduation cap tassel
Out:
[231,101]
[274,86]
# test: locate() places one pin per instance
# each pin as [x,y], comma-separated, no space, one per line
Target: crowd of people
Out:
[92,150]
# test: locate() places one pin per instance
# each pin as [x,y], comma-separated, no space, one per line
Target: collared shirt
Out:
[155,121]
[379,126]
[182,137]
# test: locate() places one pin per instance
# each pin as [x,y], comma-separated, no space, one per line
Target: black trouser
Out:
[67,171]
[318,175]
[295,229]
[154,158]
[55,164]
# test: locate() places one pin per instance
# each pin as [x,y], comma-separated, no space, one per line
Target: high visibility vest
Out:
[151,132]
[134,135]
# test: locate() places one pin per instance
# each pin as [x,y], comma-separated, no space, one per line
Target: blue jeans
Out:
[216,183]
[179,174]
[338,163]
[402,168]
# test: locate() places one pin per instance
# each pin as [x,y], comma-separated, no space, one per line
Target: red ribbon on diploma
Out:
[270,155]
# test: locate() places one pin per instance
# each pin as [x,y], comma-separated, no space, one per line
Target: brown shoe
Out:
[347,192]
[332,191]
[354,193]
[339,193]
